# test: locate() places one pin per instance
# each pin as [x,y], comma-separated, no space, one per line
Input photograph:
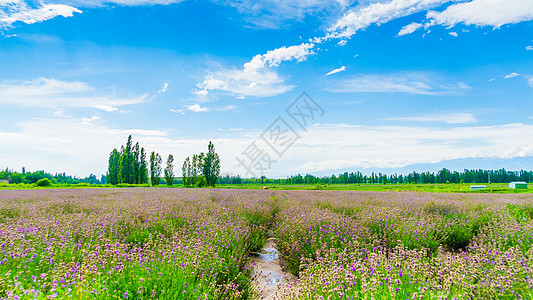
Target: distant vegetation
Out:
[442,176]
[33,177]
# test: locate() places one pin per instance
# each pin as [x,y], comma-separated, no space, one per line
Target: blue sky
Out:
[400,82]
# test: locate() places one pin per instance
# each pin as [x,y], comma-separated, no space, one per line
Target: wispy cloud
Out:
[49,92]
[274,13]
[529,48]
[453,33]
[408,29]
[164,88]
[89,121]
[530,81]
[452,118]
[227,107]
[411,145]
[378,13]
[178,111]
[511,75]
[343,68]
[410,83]
[107,108]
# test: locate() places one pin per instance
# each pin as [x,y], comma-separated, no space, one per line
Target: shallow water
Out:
[269,275]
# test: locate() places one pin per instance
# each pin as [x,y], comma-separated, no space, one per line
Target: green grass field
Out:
[431,188]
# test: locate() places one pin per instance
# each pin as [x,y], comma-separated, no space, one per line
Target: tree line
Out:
[58,178]
[442,176]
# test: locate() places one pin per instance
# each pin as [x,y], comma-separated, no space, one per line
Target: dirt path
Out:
[269,277]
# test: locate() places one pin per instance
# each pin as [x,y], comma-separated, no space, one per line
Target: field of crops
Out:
[196,244]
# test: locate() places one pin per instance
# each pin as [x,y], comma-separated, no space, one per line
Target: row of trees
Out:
[442,176]
[129,166]
[202,169]
[57,178]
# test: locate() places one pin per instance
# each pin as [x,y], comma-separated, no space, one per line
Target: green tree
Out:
[136,159]
[185,169]
[113,167]
[200,181]
[143,169]
[211,165]
[169,170]
[155,168]
[126,172]
[193,168]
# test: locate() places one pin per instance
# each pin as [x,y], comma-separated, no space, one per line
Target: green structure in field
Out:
[518,185]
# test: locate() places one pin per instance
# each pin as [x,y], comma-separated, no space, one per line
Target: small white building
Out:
[4,181]
[477,187]
[518,185]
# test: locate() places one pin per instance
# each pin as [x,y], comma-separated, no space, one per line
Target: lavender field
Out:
[199,243]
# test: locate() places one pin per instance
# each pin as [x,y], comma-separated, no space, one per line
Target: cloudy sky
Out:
[389,83]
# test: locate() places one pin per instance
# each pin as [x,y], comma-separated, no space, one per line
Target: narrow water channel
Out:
[269,275]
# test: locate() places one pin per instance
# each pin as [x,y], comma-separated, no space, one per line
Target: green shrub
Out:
[43,182]
[457,237]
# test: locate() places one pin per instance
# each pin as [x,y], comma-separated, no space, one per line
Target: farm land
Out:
[165,243]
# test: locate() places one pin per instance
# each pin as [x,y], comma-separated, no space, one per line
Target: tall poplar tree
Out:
[169,170]
[143,169]
[113,167]
[155,168]
[185,172]
[211,165]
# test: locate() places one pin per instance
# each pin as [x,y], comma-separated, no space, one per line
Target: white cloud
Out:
[274,57]
[529,48]
[107,108]
[453,34]
[243,83]
[398,146]
[343,68]
[484,13]
[227,107]
[378,13]
[61,113]
[342,43]
[145,132]
[164,88]
[408,29]
[49,92]
[12,11]
[275,13]
[530,81]
[511,75]
[196,108]
[411,83]
[178,111]
[89,121]
[257,78]
[452,118]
